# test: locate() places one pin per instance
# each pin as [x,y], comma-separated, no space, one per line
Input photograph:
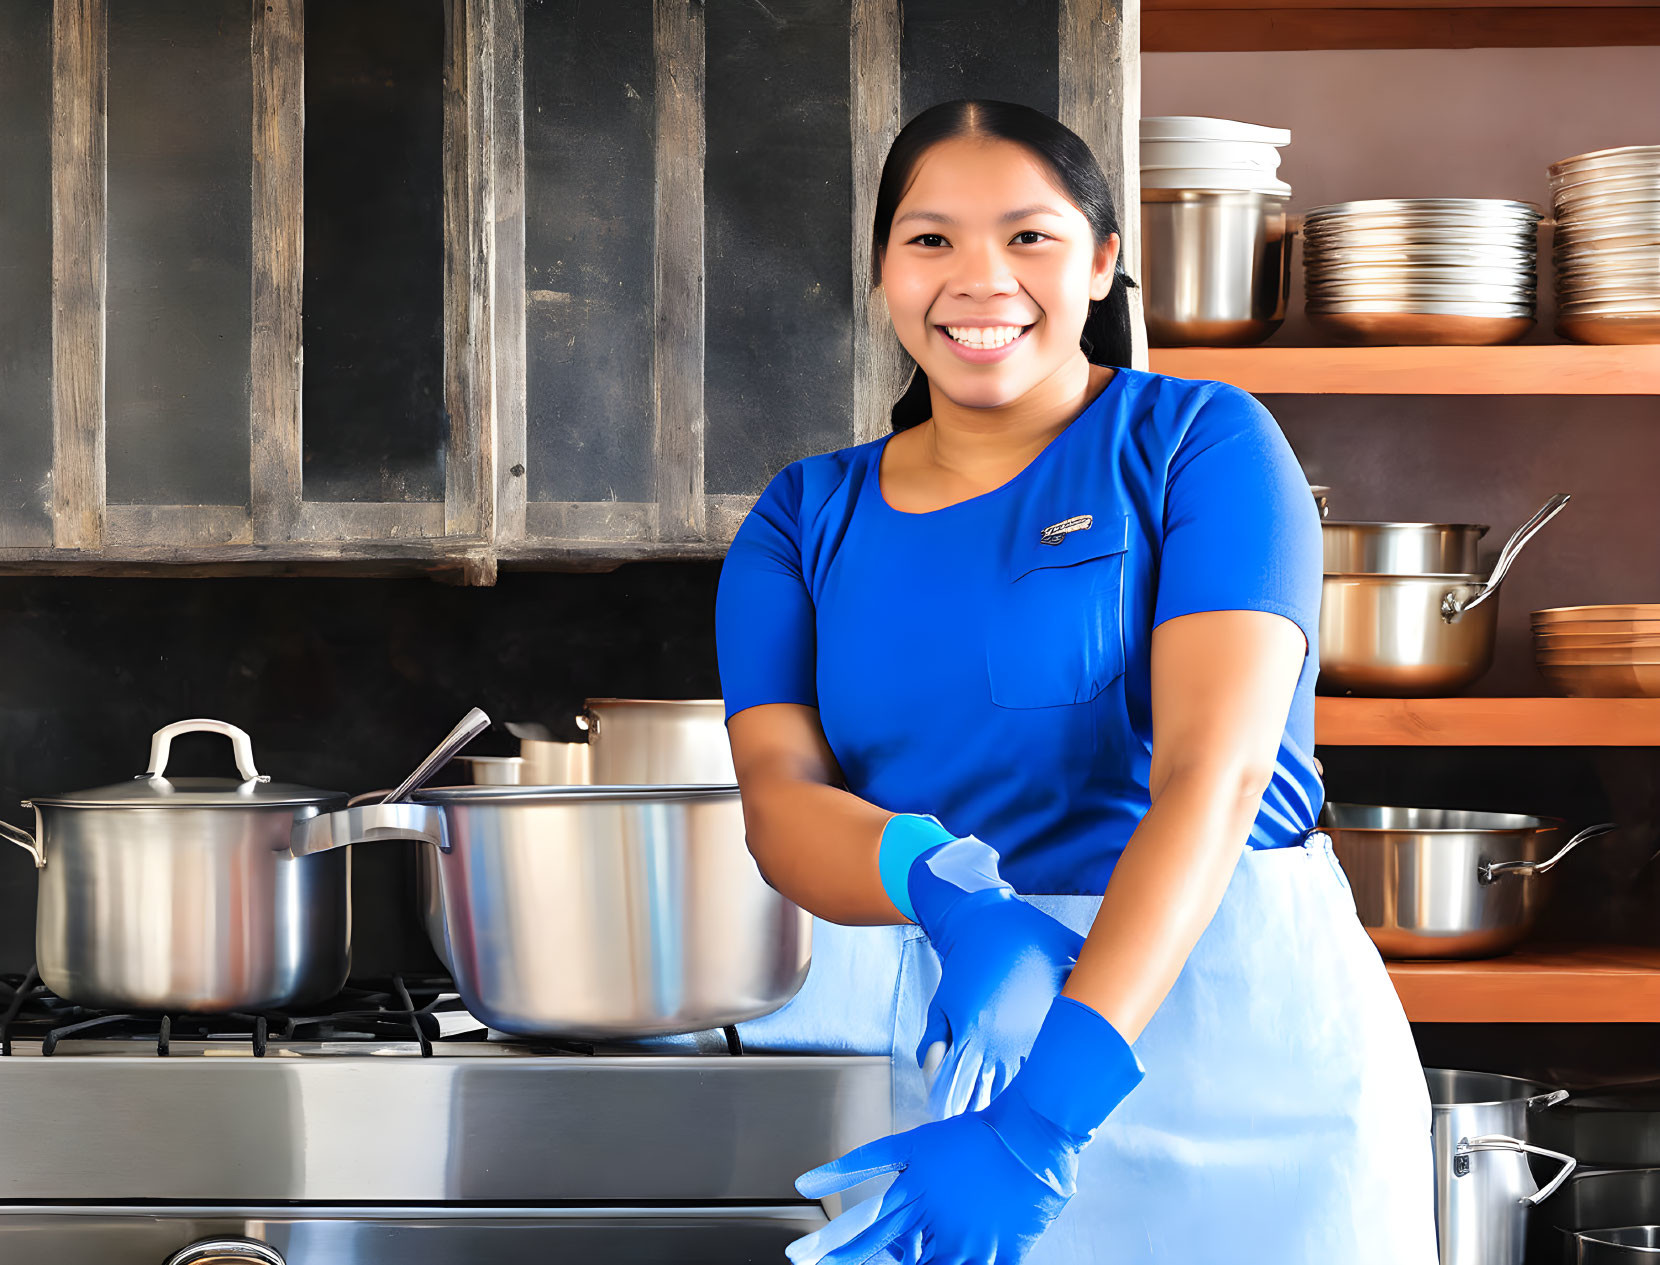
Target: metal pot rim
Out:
[656,702]
[441,795]
[1344,522]
[194,792]
[1539,1088]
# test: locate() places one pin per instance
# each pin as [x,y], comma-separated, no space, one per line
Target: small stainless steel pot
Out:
[1414,636]
[181,894]
[1401,548]
[597,911]
[1215,266]
[1611,1197]
[1445,882]
[659,742]
[1625,1245]
[1484,1189]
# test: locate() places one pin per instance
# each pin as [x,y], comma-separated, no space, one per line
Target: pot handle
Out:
[242,746]
[1499,1142]
[1492,870]
[369,823]
[23,839]
[587,720]
[1452,606]
[1540,1102]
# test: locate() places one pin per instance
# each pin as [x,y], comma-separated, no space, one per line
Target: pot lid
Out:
[152,789]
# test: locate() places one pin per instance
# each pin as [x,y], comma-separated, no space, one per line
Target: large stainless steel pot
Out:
[1484,1189]
[181,894]
[596,911]
[1415,636]
[1445,882]
[660,742]
[1401,548]
[1215,266]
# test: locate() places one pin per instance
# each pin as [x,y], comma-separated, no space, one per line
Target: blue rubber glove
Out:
[985,1185]
[1002,963]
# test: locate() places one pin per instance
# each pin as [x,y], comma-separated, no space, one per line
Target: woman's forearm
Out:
[817,844]
[1163,893]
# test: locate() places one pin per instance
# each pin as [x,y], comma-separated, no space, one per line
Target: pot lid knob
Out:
[242,746]
[227,1252]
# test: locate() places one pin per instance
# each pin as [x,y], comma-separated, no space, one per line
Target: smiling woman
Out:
[1059,813]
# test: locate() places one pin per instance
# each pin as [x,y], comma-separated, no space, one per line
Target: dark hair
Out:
[1106,336]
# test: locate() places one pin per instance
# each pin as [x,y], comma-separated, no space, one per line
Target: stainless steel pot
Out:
[1415,636]
[660,742]
[181,894]
[1613,1197]
[1484,1189]
[1626,1245]
[1445,882]
[596,911]
[1215,266]
[1401,548]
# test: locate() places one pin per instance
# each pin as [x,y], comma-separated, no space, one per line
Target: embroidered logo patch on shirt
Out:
[1057,532]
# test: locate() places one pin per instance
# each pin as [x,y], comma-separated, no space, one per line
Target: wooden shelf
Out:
[1547,984]
[1215,26]
[1548,369]
[1487,722]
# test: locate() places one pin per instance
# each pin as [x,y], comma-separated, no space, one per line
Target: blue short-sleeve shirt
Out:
[988,662]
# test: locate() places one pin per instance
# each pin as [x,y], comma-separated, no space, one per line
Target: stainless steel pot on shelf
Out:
[656,741]
[1484,1189]
[1446,882]
[1216,266]
[1401,548]
[1405,635]
[596,911]
[181,894]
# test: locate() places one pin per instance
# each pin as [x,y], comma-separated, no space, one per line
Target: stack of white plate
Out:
[1188,152]
[1422,270]
[1607,248]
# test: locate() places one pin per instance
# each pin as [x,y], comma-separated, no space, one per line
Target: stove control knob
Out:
[228,1252]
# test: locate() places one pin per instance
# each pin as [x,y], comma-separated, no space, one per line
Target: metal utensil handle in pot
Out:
[242,746]
[1498,869]
[1452,607]
[1500,1142]
[471,726]
[23,839]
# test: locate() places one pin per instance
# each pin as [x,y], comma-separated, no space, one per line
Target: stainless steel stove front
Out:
[76,1235]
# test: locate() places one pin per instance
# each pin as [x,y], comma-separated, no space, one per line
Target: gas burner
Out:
[423,1011]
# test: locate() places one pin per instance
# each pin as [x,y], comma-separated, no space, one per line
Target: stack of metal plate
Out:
[1600,651]
[1422,270]
[1607,247]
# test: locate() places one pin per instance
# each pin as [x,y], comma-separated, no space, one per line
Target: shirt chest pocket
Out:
[1055,631]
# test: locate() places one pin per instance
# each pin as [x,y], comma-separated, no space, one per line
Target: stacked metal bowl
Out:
[1422,270]
[1607,245]
[1600,651]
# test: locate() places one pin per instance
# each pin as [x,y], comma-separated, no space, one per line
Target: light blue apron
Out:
[1284,1118]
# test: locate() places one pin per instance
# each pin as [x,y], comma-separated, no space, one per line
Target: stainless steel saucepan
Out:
[596,911]
[657,741]
[1386,635]
[181,894]
[1446,882]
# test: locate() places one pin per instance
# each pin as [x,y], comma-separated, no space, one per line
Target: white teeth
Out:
[984,336]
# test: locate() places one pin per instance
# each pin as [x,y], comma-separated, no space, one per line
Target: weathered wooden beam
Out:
[275,366]
[591,520]
[469,232]
[726,515]
[181,528]
[1100,100]
[511,365]
[279,264]
[881,366]
[346,523]
[80,94]
[678,315]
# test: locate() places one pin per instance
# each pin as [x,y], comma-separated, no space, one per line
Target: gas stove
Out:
[390,1125]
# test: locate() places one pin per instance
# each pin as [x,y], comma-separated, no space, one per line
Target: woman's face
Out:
[983,245]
